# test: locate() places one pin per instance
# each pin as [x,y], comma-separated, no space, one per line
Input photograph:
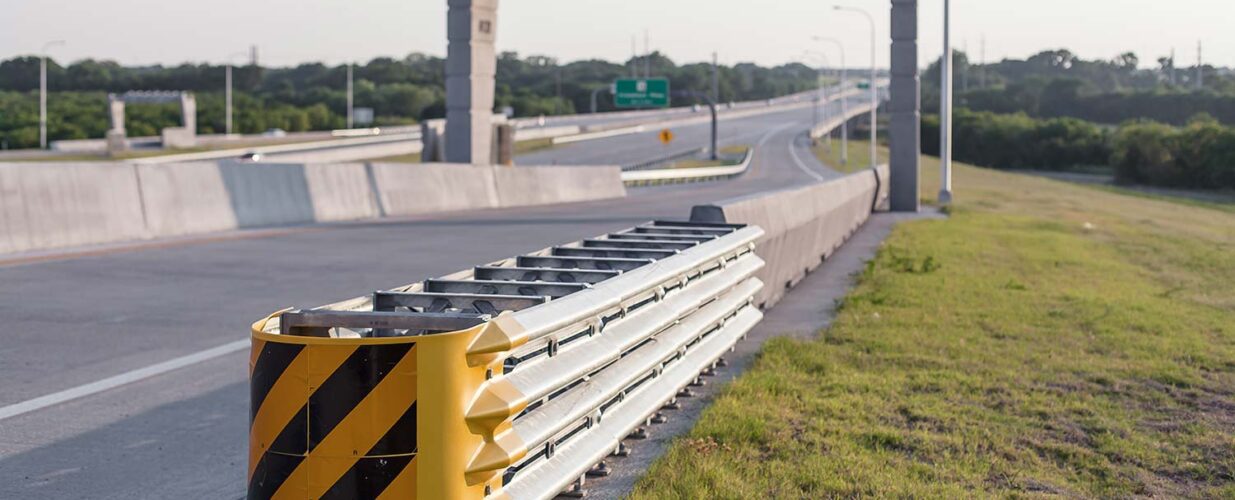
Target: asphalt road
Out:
[84,317]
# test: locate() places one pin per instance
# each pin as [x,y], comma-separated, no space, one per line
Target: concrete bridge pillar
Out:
[905,138]
[471,63]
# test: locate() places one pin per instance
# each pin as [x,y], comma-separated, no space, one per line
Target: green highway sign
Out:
[641,93]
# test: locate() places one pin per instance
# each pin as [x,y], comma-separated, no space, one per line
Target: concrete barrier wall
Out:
[521,186]
[48,205]
[419,188]
[45,205]
[184,198]
[341,191]
[802,226]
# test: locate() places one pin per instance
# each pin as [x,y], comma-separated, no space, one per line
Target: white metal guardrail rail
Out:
[509,380]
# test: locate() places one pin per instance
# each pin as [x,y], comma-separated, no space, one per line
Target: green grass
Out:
[1048,339]
[731,155]
[859,154]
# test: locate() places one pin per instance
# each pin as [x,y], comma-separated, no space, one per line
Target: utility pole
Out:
[982,60]
[350,101]
[964,69]
[634,57]
[227,96]
[557,103]
[43,91]
[844,108]
[715,79]
[874,89]
[1172,66]
[647,57]
[1200,68]
[945,110]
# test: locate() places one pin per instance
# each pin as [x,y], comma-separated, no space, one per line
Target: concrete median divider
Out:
[49,205]
[420,188]
[523,186]
[802,225]
[56,205]
[184,198]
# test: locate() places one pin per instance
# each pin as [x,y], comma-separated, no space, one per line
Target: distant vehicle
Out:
[769,102]
[730,105]
[694,108]
[275,132]
[251,157]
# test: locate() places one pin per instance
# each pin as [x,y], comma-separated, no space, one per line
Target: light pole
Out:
[43,91]
[820,92]
[844,108]
[945,110]
[350,99]
[227,96]
[874,90]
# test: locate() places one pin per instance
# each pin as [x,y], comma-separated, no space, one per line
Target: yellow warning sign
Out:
[665,136]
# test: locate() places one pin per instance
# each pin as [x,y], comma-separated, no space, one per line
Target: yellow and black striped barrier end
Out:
[332,418]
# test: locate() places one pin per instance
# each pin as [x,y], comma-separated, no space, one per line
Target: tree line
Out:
[1200,154]
[1057,83]
[312,96]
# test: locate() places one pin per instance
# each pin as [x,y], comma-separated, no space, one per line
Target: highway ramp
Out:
[75,320]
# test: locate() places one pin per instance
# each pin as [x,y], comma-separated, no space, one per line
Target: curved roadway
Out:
[76,318]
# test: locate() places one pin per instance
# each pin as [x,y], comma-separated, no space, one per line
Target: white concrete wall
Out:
[802,226]
[185,198]
[46,205]
[49,205]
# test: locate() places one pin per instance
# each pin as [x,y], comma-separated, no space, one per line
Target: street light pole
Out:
[945,110]
[844,108]
[43,92]
[227,95]
[821,93]
[350,99]
[874,89]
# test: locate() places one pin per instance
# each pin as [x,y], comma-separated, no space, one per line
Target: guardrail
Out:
[693,174]
[509,380]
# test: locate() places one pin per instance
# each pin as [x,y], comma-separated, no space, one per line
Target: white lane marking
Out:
[802,165]
[763,140]
[113,382]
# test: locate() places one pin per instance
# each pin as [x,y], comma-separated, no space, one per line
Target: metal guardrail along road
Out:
[510,380]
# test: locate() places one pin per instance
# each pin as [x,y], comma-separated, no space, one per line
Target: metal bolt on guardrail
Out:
[514,379]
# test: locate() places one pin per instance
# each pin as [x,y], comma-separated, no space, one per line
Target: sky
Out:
[766,32]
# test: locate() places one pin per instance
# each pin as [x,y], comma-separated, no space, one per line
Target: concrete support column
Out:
[471,63]
[905,138]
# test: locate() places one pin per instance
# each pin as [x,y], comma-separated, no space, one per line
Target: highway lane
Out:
[183,433]
[646,146]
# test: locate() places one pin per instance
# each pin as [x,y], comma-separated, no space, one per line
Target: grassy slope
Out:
[1046,339]
[859,154]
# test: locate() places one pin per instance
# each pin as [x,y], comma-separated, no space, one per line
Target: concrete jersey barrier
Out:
[46,205]
[802,225]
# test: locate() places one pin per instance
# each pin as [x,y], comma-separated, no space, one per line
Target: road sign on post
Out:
[641,93]
[666,136]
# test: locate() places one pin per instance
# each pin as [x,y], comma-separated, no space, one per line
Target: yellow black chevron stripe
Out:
[332,419]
